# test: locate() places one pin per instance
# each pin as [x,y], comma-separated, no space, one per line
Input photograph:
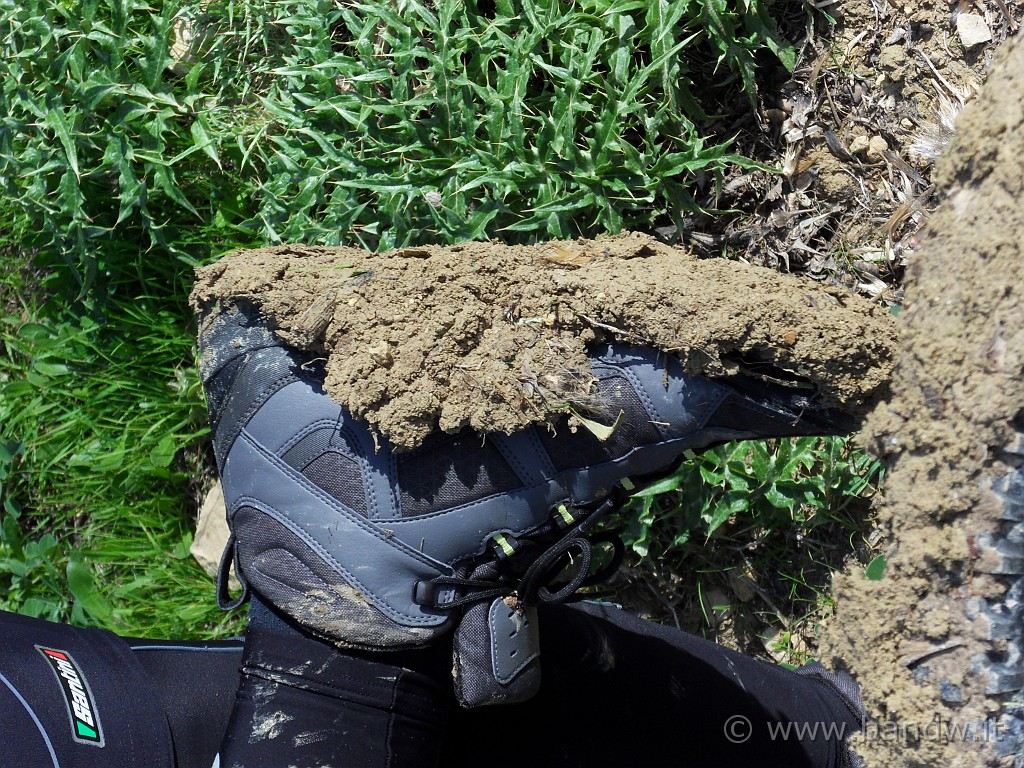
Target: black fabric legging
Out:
[616,691]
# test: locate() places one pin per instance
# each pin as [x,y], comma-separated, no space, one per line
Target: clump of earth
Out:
[494,337]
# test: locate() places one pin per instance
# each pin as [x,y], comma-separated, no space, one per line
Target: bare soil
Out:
[494,337]
[957,389]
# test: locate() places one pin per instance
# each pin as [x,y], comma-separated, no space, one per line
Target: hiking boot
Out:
[377,549]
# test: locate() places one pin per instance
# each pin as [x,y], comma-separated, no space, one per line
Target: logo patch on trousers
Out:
[85,720]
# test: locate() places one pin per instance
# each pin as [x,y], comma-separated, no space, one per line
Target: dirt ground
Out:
[957,392]
[856,128]
[418,339]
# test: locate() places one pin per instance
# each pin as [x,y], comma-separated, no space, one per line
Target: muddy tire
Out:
[938,642]
[998,619]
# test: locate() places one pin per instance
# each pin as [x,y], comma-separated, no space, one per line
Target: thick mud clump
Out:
[918,639]
[494,337]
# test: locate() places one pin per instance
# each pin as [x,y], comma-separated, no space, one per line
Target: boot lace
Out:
[561,542]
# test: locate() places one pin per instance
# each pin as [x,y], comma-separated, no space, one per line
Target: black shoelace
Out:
[537,583]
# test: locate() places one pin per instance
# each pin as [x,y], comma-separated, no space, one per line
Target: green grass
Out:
[102,445]
[779,515]
[764,484]
[378,125]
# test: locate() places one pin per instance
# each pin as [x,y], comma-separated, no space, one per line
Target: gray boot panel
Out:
[381,567]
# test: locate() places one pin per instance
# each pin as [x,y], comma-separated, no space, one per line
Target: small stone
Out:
[380,353]
[859,144]
[876,146]
[742,586]
[871,147]
[774,641]
[182,51]
[212,534]
[907,123]
[972,29]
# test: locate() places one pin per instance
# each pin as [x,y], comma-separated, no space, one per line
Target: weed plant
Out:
[802,481]
[777,516]
[139,140]
[381,124]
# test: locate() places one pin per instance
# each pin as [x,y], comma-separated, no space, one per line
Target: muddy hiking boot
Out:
[372,548]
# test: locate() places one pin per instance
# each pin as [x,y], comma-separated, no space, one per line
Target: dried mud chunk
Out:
[495,337]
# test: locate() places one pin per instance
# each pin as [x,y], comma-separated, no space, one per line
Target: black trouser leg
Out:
[303,703]
[616,691]
[196,684]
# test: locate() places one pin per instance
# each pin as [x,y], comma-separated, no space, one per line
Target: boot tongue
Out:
[496,654]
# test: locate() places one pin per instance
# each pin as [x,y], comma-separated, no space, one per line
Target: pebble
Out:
[972,29]
[380,353]
[876,146]
[871,147]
